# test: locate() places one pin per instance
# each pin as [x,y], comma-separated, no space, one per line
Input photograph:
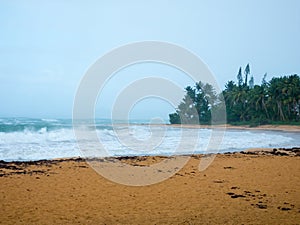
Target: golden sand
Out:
[234,189]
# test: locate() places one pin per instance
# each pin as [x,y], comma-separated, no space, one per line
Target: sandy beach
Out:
[283,128]
[235,189]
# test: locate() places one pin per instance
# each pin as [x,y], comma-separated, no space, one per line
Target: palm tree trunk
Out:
[281,114]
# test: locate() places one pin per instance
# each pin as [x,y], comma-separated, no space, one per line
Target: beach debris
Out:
[228,167]
[287,206]
[250,196]
[219,181]
[284,208]
[261,206]
[24,167]
[295,151]
[234,187]
[233,195]
[237,196]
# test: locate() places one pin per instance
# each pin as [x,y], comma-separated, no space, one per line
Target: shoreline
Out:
[267,127]
[294,151]
[283,128]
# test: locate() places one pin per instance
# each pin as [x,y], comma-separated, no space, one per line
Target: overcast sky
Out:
[47,46]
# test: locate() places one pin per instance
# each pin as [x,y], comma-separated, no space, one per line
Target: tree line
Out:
[274,101]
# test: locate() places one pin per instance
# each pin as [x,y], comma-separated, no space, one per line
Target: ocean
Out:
[24,139]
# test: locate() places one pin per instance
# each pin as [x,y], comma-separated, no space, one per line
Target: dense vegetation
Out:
[276,101]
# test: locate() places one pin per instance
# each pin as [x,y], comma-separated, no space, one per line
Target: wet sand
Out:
[235,189]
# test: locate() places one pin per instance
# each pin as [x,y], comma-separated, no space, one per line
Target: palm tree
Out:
[277,100]
[247,72]
[240,77]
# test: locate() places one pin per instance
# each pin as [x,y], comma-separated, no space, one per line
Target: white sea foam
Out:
[50,120]
[47,142]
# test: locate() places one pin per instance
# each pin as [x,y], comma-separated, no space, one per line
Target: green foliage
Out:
[246,72]
[240,77]
[264,81]
[196,105]
[276,101]
[174,118]
[251,82]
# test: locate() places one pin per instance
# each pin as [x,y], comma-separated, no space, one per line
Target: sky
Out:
[46,47]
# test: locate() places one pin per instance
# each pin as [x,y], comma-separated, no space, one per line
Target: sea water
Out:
[23,139]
